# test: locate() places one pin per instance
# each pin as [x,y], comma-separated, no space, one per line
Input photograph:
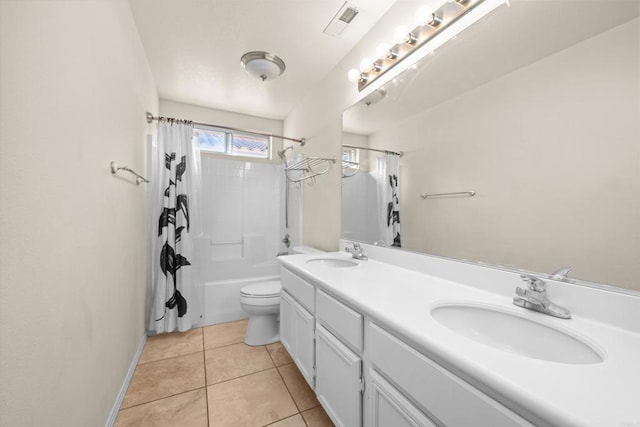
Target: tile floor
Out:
[209,377]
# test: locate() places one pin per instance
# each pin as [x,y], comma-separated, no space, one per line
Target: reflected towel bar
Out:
[115,168]
[469,193]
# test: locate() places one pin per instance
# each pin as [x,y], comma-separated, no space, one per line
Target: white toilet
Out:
[261,301]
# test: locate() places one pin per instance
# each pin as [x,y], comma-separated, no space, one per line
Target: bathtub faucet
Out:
[356,251]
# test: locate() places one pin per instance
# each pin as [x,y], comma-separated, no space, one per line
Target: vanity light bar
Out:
[434,29]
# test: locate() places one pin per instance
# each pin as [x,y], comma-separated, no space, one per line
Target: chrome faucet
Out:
[356,251]
[535,298]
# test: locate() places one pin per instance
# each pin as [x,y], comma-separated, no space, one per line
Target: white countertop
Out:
[601,394]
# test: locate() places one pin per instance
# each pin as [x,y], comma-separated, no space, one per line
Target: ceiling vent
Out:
[341,20]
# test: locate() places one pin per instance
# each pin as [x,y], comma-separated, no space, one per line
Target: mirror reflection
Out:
[535,109]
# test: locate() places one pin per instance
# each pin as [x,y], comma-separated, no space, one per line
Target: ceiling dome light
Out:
[263,65]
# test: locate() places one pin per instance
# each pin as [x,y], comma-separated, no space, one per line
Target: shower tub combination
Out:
[243,224]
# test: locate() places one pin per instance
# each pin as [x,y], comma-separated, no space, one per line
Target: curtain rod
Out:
[302,141]
[397,153]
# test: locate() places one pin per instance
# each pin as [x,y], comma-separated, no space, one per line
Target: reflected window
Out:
[350,155]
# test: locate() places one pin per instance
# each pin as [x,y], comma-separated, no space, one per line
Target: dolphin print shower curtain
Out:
[387,174]
[174,225]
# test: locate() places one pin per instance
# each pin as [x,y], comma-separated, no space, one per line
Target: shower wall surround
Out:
[242,218]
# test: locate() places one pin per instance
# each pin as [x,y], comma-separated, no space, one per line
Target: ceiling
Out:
[505,40]
[194,47]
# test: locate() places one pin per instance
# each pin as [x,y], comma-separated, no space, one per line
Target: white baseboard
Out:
[125,384]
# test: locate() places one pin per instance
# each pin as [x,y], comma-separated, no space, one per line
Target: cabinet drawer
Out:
[302,291]
[340,319]
[448,398]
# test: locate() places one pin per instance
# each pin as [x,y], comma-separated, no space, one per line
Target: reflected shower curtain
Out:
[177,183]
[387,174]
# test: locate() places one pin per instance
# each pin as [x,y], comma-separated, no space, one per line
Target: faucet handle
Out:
[561,274]
[356,245]
[535,284]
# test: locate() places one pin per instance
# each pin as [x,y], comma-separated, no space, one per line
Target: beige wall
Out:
[74,87]
[321,198]
[318,118]
[553,150]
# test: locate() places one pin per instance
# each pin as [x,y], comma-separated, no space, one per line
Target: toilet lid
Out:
[262,289]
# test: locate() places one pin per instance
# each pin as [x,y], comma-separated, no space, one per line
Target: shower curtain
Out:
[177,182]
[387,173]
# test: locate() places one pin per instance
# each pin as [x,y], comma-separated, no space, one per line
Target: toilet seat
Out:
[268,289]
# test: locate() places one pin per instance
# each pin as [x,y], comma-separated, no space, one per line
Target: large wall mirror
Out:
[536,108]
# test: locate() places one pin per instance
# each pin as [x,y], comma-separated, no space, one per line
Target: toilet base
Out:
[262,329]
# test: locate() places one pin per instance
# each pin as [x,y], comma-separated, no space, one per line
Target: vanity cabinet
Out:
[445,397]
[297,323]
[365,375]
[339,373]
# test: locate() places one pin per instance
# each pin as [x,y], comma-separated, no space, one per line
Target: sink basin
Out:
[332,261]
[509,332]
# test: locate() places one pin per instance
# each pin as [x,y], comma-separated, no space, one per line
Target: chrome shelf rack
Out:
[308,168]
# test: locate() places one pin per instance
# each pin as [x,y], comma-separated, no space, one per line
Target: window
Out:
[233,143]
[243,144]
[210,140]
[350,155]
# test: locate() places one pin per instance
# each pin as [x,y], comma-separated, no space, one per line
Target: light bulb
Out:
[353,75]
[366,65]
[382,49]
[400,34]
[424,15]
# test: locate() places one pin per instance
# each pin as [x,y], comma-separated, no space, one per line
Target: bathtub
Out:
[222,299]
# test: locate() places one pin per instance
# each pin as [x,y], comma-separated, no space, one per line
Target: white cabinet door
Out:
[338,380]
[297,330]
[304,347]
[287,321]
[388,407]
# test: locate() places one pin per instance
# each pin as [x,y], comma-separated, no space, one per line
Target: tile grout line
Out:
[270,356]
[289,391]
[158,360]
[242,376]
[169,357]
[221,346]
[162,398]
[286,418]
